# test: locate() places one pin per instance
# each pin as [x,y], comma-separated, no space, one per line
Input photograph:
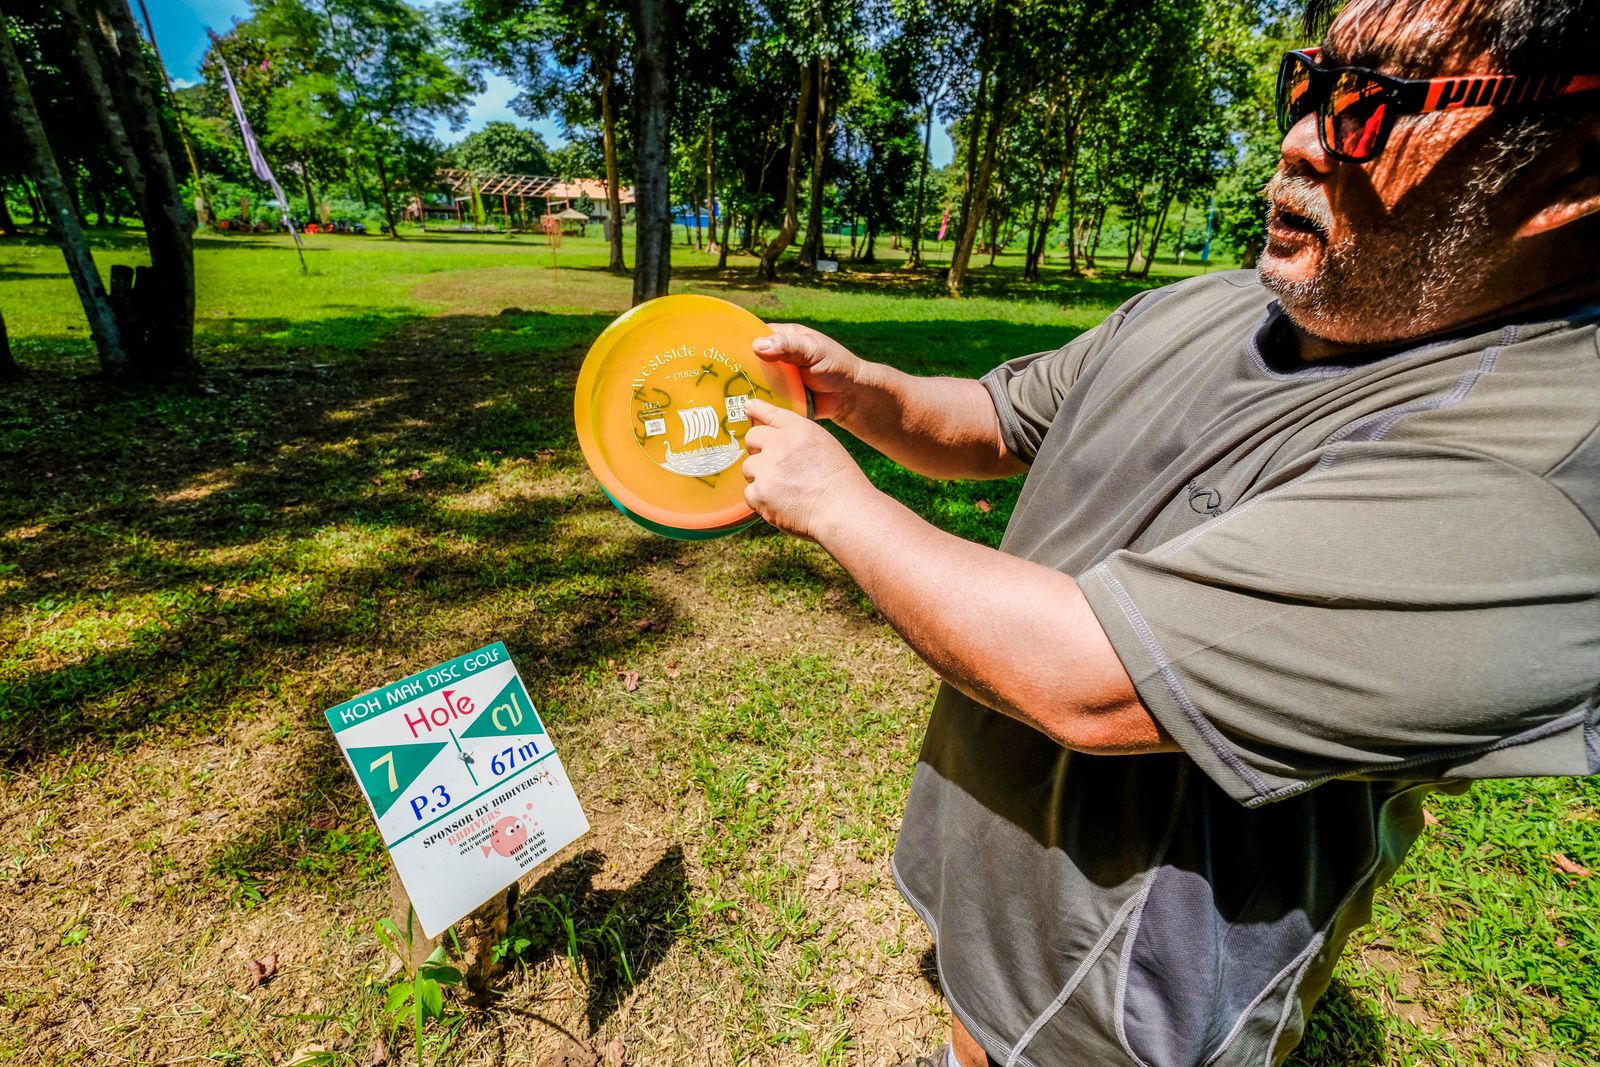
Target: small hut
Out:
[573,222]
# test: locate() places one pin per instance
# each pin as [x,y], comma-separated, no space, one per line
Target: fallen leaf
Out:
[377,479]
[630,680]
[378,1056]
[1429,818]
[323,821]
[752,787]
[644,625]
[343,1042]
[833,596]
[616,1053]
[823,881]
[984,506]
[572,1055]
[262,970]
[1566,866]
[413,475]
[307,1055]
[672,670]
[47,575]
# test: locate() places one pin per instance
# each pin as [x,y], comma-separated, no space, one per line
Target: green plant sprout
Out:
[420,993]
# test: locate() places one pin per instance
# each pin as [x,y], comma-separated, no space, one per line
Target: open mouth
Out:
[1288,221]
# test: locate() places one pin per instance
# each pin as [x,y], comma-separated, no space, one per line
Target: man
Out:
[1293,551]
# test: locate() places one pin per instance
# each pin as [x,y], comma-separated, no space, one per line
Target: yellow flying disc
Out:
[660,410]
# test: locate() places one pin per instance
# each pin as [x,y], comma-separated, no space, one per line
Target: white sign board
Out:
[462,778]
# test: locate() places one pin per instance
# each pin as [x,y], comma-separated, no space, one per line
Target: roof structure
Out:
[461,181]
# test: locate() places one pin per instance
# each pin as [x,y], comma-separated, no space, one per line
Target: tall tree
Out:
[41,163]
[570,59]
[653,25]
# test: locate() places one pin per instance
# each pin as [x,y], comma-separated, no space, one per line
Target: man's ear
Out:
[1573,190]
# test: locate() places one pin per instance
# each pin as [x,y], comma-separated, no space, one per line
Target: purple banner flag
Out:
[258,162]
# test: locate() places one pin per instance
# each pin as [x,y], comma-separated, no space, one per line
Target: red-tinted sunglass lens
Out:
[1355,119]
[1294,90]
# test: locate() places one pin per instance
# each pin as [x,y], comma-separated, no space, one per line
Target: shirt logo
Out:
[1205,501]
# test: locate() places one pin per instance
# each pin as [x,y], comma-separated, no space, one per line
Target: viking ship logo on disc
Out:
[689,411]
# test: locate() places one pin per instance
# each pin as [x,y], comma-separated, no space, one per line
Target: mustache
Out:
[1300,196]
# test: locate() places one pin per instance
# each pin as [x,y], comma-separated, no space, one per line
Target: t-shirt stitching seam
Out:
[1337,441]
[1164,666]
[1527,737]
[1126,922]
[976,1029]
[1010,424]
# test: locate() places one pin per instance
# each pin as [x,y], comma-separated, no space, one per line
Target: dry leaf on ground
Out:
[1429,818]
[616,1053]
[630,680]
[1566,866]
[379,1054]
[572,1055]
[262,970]
[984,506]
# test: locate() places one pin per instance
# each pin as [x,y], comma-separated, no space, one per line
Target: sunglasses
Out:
[1356,107]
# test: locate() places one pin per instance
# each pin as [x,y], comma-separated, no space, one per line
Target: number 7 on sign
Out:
[387,757]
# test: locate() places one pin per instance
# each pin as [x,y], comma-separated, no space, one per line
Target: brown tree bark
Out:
[652,80]
[41,164]
[165,303]
[8,225]
[915,258]
[8,365]
[608,123]
[384,198]
[711,181]
[983,185]
[811,248]
[791,194]
[727,235]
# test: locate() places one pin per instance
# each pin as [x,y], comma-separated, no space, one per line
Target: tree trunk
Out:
[311,200]
[791,193]
[696,242]
[1094,242]
[387,202]
[727,234]
[917,222]
[39,160]
[35,202]
[1177,245]
[8,225]
[812,247]
[652,79]
[711,182]
[608,118]
[962,254]
[8,366]
[1155,230]
[1028,271]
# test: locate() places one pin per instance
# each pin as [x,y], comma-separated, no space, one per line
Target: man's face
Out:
[1406,245]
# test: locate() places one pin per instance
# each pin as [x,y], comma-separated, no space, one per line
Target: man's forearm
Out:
[938,427]
[1015,636]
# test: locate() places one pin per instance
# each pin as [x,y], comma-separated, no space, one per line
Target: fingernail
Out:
[763,344]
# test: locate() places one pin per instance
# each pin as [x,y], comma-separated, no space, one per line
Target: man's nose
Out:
[1302,148]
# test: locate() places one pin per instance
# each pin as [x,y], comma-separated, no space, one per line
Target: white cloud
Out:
[494,105]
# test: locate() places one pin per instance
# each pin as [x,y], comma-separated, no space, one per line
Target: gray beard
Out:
[1410,277]
[1395,283]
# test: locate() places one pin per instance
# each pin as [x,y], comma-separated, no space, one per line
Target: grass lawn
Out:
[378,472]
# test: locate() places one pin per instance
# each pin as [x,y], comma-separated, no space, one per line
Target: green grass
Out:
[378,470]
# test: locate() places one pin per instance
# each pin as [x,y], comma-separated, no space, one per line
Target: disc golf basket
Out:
[551,225]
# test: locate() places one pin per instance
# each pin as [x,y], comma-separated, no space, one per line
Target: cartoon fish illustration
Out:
[508,835]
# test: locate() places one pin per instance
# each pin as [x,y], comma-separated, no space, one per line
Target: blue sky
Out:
[181,32]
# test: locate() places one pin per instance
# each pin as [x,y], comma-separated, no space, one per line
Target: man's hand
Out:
[827,368]
[801,479]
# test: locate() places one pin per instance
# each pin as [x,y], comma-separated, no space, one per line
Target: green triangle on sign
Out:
[511,712]
[386,771]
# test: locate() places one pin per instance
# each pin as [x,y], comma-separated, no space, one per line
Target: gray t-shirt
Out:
[1338,586]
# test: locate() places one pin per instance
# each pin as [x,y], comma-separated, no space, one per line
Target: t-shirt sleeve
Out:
[1028,391]
[1393,612]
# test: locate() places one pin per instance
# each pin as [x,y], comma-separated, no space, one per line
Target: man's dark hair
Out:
[1523,36]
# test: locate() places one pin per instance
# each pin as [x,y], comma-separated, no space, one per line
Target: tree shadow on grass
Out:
[358,515]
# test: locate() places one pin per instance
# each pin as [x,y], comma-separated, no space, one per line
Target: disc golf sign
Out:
[462,778]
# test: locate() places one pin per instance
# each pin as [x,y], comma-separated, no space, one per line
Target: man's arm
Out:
[938,427]
[1013,635]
